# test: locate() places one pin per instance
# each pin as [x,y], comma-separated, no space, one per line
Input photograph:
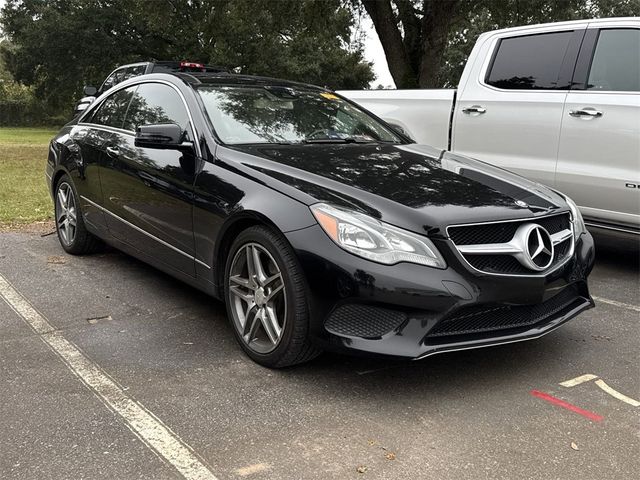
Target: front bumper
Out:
[412,311]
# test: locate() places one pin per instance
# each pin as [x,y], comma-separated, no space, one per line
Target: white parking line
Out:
[578,380]
[628,306]
[141,421]
[614,393]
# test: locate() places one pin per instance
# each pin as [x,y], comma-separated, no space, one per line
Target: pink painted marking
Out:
[561,403]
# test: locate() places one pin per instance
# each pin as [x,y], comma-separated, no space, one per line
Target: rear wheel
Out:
[72,233]
[265,293]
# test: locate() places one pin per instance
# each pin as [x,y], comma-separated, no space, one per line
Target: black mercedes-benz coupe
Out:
[317,224]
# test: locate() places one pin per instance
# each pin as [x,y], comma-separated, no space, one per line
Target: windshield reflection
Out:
[284,115]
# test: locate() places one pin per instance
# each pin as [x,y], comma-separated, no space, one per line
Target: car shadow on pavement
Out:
[472,370]
[621,253]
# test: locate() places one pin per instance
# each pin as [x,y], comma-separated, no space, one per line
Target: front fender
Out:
[226,202]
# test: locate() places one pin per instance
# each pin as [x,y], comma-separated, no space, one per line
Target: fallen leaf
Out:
[94,320]
[390,456]
[56,260]
[574,446]
[361,469]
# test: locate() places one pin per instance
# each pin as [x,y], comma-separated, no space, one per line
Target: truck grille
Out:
[503,232]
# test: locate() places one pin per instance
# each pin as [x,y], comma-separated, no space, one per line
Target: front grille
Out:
[363,321]
[493,317]
[497,264]
[503,232]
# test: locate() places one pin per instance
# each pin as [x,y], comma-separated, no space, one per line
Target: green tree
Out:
[427,42]
[60,45]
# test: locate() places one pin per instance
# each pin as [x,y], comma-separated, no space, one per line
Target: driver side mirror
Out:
[168,136]
[90,91]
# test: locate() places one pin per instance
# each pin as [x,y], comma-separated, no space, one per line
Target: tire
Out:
[252,305]
[70,227]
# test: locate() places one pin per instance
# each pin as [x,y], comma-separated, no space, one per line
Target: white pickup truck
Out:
[558,103]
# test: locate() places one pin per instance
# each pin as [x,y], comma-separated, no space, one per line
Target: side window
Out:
[616,62]
[156,103]
[113,79]
[112,111]
[134,71]
[529,62]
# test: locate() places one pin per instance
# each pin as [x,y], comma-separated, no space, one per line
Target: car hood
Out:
[411,186]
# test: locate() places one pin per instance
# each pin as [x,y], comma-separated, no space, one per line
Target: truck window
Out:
[530,62]
[113,79]
[133,72]
[616,61]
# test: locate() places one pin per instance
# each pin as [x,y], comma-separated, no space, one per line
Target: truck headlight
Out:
[374,240]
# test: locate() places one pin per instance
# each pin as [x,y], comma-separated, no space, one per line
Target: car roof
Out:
[223,78]
[566,24]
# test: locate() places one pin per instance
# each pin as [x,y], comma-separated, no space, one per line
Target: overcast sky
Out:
[372,51]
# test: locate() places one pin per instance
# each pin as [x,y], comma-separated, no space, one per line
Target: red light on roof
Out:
[191,65]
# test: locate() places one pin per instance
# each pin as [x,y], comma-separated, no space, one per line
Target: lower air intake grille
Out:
[489,318]
[363,321]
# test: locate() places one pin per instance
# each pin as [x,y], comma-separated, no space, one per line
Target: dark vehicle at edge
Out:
[318,225]
[130,70]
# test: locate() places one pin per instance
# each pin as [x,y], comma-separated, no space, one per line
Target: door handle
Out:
[474,109]
[113,151]
[588,112]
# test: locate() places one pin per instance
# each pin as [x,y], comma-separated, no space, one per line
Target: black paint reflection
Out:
[409,178]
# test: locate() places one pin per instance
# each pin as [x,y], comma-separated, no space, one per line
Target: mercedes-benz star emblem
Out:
[536,247]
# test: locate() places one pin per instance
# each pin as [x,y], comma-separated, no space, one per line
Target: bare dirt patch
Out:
[40,228]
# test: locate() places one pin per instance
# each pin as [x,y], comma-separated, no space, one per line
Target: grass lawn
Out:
[23,192]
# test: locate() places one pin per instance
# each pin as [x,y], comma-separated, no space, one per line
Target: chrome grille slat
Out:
[490,248]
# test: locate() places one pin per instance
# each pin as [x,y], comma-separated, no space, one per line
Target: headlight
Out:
[576,217]
[371,239]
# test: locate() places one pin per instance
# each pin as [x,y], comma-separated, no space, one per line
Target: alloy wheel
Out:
[257,296]
[66,219]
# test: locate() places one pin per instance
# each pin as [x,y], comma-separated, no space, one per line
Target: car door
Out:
[599,154]
[149,192]
[509,108]
[94,131]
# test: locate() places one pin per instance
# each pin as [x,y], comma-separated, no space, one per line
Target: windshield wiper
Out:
[338,140]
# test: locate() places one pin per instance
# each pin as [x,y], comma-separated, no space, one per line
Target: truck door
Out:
[599,154]
[510,105]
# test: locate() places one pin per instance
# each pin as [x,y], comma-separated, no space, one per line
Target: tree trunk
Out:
[390,37]
[415,60]
[436,23]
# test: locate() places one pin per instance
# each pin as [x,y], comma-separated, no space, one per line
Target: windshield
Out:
[271,114]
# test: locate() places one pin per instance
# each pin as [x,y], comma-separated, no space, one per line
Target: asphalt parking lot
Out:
[111,369]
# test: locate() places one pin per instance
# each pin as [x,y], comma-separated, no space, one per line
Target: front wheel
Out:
[72,233]
[265,293]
